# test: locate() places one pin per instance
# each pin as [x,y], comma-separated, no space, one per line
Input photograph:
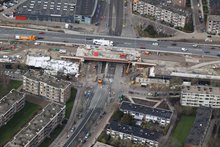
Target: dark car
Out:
[173,44]
[142,47]
[218,55]
[207,52]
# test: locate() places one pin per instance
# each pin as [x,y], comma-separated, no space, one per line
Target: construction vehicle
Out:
[100,79]
[26,37]
[102,42]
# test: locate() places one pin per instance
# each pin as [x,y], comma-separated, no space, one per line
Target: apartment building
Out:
[39,127]
[200,127]
[161,11]
[196,96]
[147,81]
[141,112]
[136,134]
[213,24]
[11,103]
[47,86]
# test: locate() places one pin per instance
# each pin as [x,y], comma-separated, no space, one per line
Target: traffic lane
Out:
[78,129]
[80,139]
[83,36]
[61,36]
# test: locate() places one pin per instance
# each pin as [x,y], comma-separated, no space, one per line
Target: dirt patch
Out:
[144,102]
[163,105]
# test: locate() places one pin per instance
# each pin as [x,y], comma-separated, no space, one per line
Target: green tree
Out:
[117,115]
[176,81]
[127,119]
[151,31]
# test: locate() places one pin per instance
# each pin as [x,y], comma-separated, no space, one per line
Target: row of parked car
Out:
[7,5]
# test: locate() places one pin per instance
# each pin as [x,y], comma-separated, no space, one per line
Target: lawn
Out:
[53,135]
[17,122]
[182,129]
[13,84]
[70,102]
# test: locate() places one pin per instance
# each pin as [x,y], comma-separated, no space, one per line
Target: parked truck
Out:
[26,37]
[102,42]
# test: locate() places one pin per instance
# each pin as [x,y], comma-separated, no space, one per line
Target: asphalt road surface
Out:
[164,46]
[92,115]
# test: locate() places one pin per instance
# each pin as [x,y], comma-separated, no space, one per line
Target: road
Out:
[164,46]
[96,108]
[199,25]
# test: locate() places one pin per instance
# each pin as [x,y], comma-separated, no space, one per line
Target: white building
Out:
[53,66]
[147,113]
[136,134]
[160,11]
[196,96]
[47,86]
[213,24]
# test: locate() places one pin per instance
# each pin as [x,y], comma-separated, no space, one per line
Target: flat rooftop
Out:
[58,8]
[50,80]
[127,106]
[167,6]
[213,18]
[134,131]
[10,99]
[86,7]
[200,89]
[203,117]
[36,125]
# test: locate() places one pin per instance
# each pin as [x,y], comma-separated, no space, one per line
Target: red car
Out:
[42,33]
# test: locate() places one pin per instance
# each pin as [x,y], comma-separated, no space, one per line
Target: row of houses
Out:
[46,86]
[136,133]
[161,12]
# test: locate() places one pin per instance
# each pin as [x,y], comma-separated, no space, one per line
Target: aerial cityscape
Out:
[109,73]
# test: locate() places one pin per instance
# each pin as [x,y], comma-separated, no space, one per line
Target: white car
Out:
[184,49]
[195,45]
[155,44]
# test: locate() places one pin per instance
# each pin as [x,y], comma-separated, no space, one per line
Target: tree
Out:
[117,115]
[151,31]
[176,81]
[127,119]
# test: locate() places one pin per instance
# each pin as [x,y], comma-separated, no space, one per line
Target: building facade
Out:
[47,86]
[39,127]
[167,13]
[213,24]
[11,103]
[136,134]
[196,96]
[141,112]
